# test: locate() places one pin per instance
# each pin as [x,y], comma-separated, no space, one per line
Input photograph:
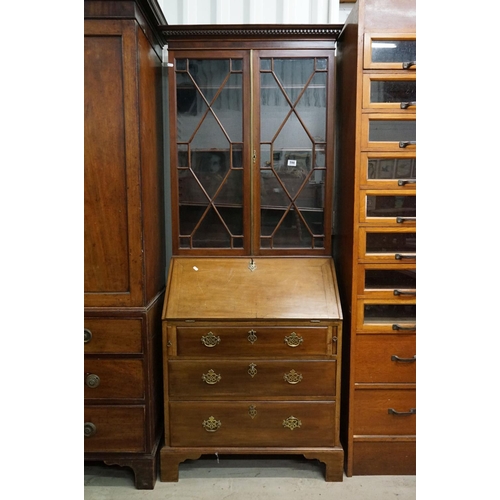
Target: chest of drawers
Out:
[251,360]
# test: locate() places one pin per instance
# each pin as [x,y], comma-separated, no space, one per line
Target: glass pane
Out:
[391,243]
[390,313]
[393,91]
[391,206]
[392,168]
[390,279]
[392,130]
[391,51]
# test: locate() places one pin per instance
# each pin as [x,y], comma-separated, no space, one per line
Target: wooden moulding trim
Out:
[330,31]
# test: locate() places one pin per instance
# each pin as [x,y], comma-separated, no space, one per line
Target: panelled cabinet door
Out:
[251,158]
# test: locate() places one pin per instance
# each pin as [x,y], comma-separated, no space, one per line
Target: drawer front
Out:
[384,412]
[380,170]
[252,423]
[114,379]
[112,336]
[388,207]
[256,379]
[253,341]
[384,458]
[390,92]
[387,316]
[114,428]
[387,281]
[385,359]
[388,132]
[388,244]
[390,51]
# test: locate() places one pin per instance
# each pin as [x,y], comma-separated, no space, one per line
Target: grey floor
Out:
[246,478]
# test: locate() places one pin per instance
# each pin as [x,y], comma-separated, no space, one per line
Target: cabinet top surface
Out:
[278,288]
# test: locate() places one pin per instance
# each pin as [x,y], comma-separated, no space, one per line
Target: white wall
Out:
[254,11]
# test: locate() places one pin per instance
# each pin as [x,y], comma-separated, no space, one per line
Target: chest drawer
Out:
[254,341]
[257,379]
[384,411]
[114,378]
[112,336]
[385,358]
[114,428]
[252,423]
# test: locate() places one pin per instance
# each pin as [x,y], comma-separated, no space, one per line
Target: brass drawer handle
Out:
[392,411]
[87,335]
[293,340]
[92,380]
[89,429]
[210,340]
[211,377]
[252,369]
[292,377]
[252,336]
[403,360]
[292,423]
[211,425]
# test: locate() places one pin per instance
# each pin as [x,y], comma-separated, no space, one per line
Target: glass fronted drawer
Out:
[398,244]
[385,206]
[389,132]
[387,280]
[389,91]
[388,171]
[387,315]
[390,51]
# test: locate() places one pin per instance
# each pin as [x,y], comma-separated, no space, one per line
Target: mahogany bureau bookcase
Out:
[124,235]
[252,323]
[375,248]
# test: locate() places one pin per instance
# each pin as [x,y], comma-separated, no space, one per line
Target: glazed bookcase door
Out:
[209,163]
[292,151]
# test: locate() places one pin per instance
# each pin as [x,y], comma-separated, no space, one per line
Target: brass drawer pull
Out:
[252,336]
[398,327]
[403,360]
[210,340]
[406,105]
[87,335]
[92,380]
[392,411]
[211,377]
[89,429]
[292,423]
[211,425]
[292,377]
[399,256]
[293,340]
[402,220]
[404,292]
[403,144]
[252,369]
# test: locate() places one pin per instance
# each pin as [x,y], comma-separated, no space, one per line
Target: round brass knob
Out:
[87,335]
[92,380]
[90,429]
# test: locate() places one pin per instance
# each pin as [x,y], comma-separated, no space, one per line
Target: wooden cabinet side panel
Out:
[106,233]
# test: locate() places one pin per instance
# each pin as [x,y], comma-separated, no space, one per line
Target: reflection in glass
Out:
[391,91]
[392,130]
[389,313]
[379,243]
[391,206]
[390,279]
[293,136]
[394,51]
[391,168]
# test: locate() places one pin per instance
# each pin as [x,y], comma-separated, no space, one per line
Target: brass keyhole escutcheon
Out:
[252,369]
[252,336]
[252,411]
